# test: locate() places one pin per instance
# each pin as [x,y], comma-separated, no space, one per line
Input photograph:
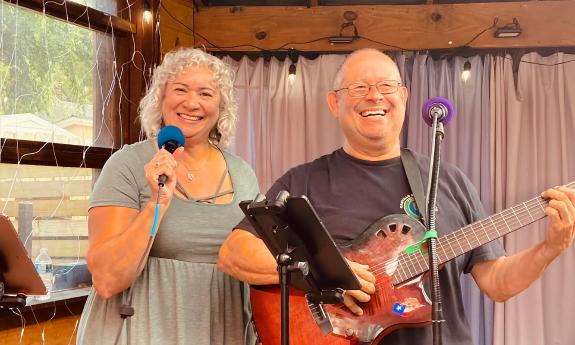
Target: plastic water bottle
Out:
[43,264]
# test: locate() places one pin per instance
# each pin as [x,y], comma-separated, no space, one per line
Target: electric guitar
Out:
[399,300]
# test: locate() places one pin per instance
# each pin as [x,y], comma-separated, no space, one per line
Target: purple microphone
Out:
[437,107]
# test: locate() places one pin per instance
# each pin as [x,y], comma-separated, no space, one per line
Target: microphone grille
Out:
[171,133]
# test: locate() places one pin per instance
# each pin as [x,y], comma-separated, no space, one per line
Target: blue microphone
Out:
[169,138]
[437,107]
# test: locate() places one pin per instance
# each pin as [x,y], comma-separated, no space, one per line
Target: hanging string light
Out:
[466,71]
[147,13]
[293,56]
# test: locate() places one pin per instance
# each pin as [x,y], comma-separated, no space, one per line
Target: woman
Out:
[179,297]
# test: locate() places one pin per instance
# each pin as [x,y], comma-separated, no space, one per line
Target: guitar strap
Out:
[415,181]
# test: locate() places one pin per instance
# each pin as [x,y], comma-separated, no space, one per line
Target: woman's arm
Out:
[119,236]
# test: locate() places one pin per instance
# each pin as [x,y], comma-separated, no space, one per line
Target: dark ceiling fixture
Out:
[349,17]
[509,30]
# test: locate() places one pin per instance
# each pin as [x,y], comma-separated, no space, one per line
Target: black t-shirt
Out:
[350,194]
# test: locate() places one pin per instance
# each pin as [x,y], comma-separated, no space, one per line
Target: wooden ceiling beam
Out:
[199,4]
[411,27]
[82,15]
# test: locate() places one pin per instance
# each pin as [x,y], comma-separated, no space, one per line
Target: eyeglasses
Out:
[361,89]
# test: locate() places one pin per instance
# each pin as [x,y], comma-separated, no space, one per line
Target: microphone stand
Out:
[286,265]
[431,234]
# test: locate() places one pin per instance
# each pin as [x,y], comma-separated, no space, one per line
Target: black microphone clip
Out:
[437,108]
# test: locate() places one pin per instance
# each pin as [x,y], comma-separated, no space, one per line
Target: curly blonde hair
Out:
[173,64]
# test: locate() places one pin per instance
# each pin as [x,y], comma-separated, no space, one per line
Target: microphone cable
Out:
[127,310]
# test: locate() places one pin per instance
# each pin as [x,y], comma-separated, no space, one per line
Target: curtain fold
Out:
[533,126]
[283,124]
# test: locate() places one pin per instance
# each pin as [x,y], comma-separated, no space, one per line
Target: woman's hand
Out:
[163,163]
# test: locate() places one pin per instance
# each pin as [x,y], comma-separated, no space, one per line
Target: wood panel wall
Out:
[411,27]
[176,24]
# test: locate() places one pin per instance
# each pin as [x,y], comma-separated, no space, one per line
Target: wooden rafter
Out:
[79,14]
[411,27]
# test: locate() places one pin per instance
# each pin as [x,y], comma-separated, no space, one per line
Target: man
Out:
[367,179]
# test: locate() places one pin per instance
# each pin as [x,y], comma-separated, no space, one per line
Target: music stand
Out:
[18,277]
[307,256]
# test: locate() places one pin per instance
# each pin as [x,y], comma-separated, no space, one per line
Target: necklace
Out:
[190,172]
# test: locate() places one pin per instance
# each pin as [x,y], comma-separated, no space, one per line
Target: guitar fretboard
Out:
[472,236]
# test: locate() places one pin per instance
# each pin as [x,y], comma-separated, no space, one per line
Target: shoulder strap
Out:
[222,179]
[415,181]
[218,193]
[182,190]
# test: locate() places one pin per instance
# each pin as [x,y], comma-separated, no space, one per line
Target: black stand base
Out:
[11,301]
[8,302]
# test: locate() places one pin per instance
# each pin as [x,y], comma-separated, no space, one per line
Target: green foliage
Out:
[43,62]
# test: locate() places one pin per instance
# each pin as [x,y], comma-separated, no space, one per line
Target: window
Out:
[69,89]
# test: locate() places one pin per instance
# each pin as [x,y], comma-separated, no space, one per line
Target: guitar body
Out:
[390,307]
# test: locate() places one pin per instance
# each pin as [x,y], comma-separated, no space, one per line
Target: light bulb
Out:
[291,75]
[466,71]
[147,14]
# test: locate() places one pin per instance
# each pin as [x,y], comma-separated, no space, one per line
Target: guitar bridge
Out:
[319,316]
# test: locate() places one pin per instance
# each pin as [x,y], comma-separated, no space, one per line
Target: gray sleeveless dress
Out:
[180,297]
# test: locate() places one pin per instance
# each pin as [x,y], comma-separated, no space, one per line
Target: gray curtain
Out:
[284,124]
[533,126]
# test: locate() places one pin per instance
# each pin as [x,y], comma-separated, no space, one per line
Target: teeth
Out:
[190,117]
[372,113]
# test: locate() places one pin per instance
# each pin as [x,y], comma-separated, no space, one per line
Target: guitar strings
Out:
[444,240]
[496,222]
[489,229]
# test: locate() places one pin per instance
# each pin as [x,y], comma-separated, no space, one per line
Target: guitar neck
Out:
[472,236]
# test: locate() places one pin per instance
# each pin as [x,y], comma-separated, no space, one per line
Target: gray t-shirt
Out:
[349,195]
[180,297]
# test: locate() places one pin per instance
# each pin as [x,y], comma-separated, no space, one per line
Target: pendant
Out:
[190,176]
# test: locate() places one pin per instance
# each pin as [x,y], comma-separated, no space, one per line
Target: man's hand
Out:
[561,212]
[367,281]
[505,277]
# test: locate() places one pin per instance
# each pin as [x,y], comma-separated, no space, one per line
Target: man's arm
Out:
[505,277]
[245,257]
